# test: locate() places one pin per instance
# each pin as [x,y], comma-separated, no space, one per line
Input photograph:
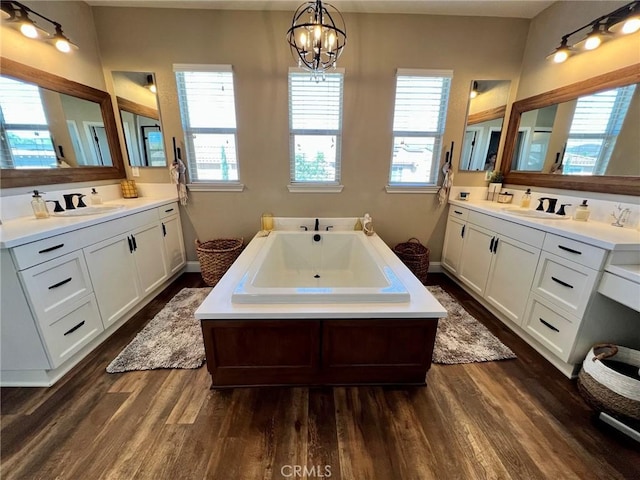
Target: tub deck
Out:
[318,343]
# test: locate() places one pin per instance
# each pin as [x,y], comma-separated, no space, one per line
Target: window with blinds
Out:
[419,118]
[208,113]
[315,126]
[24,133]
[596,123]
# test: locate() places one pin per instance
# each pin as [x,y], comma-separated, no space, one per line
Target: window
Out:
[24,132]
[419,118]
[596,123]
[208,113]
[315,126]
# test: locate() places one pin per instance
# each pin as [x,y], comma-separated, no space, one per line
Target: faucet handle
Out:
[541,204]
[81,204]
[561,209]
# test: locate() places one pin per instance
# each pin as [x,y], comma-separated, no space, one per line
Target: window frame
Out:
[330,186]
[197,184]
[431,183]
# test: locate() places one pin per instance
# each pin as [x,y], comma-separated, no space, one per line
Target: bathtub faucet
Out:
[317,227]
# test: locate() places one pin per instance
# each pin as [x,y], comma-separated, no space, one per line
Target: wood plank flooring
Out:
[518,419]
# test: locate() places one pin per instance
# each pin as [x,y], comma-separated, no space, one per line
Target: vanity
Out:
[561,285]
[68,283]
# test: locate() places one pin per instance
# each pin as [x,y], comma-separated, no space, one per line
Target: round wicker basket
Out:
[607,389]
[216,256]
[415,256]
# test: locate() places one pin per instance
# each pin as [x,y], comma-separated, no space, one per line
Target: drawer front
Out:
[76,328]
[587,255]
[55,283]
[168,210]
[458,212]
[556,332]
[564,283]
[522,233]
[34,253]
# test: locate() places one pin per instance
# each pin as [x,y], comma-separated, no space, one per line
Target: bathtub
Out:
[333,267]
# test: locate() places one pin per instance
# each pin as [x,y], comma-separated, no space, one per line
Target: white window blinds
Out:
[420,113]
[315,126]
[207,109]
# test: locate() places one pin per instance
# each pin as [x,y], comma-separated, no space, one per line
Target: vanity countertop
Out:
[29,229]
[599,234]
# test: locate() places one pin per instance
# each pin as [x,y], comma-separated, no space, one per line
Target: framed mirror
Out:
[483,130]
[581,137]
[139,114]
[67,134]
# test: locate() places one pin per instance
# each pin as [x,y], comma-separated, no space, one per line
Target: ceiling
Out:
[482,8]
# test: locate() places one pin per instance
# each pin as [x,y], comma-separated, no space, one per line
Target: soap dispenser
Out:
[96,199]
[39,206]
[582,212]
[526,199]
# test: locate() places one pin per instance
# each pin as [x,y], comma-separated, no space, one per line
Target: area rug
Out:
[461,338]
[172,339]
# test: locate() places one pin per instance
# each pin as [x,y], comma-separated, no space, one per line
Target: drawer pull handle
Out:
[457,212]
[462,232]
[130,245]
[170,210]
[570,250]
[51,249]
[493,239]
[548,325]
[495,246]
[164,230]
[59,284]
[564,284]
[73,329]
[135,245]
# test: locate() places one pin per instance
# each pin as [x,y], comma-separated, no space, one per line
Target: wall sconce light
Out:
[317,36]
[16,14]
[623,21]
[151,84]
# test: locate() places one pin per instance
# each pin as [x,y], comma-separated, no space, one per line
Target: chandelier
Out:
[317,36]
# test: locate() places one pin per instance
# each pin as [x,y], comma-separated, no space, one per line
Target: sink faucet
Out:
[317,227]
[68,201]
[552,204]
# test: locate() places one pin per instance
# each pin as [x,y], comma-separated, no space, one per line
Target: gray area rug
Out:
[461,338]
[172,339]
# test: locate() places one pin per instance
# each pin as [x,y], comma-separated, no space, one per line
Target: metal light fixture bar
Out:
[317,36]
[18,13]
[600,28]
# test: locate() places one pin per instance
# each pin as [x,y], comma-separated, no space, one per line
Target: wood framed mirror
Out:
[539,172]
[88,151]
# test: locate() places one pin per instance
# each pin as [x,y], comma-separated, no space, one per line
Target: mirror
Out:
[138,105]
[67,133]
[485,116]
[582,137]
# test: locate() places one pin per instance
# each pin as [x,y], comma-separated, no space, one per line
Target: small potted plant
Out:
[495,184]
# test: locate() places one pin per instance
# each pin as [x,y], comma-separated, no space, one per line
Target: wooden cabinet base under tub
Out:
[318,352]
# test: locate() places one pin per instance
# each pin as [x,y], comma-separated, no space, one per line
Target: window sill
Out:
[412,188]
[314,188]
[216,187]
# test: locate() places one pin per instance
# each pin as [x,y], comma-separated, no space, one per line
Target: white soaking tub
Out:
[319,267]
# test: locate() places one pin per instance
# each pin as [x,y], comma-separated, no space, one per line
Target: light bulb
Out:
[632,25]
[473,94]
[28,29]
[592,42]
[153,88]
[303,39]
[332,39]
[560,56]
[317,32]
[63,45]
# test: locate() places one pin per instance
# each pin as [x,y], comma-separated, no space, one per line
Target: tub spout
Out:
[317,227]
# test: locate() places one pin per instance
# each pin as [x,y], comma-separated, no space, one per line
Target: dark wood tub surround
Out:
[318,351]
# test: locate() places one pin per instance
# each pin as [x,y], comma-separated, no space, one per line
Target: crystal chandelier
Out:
[317,36]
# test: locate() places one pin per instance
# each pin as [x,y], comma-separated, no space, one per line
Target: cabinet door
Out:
[173,244]
[511,276]
[453,240]
[149,255]
[113,273]
[476,257]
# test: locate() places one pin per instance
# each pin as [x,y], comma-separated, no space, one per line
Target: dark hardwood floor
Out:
[516,419]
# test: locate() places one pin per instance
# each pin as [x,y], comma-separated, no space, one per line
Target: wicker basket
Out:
[415,256]
[216,256]
[609,390]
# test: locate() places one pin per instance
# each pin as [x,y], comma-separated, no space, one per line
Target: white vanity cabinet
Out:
[64,294]
[454,238]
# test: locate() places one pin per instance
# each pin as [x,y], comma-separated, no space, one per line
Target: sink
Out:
[93,210]
[523,212]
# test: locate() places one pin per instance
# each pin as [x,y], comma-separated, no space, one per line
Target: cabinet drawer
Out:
[458,212]
[76,328]
[564,283]
[587,255]
[522,233]
[34,253]
[55,283]
[168,210]
[556,332]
